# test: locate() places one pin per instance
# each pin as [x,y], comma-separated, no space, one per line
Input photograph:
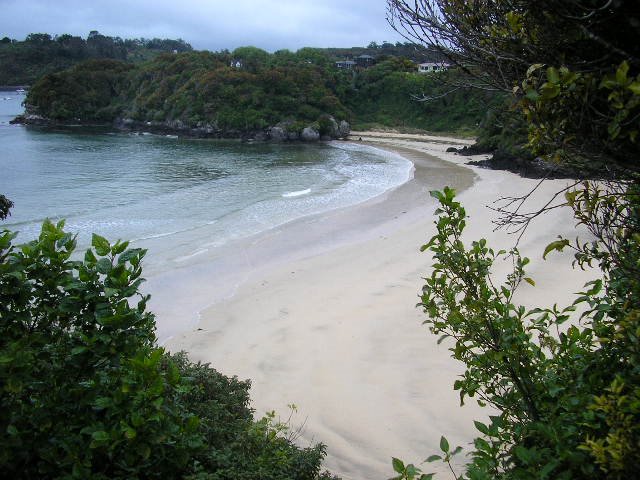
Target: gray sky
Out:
[207,24]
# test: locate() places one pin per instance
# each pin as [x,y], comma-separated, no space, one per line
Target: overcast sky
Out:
[207,24]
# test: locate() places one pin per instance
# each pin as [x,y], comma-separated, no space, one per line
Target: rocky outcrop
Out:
[527,168]
[293,136]
[286,131]
[344,129]
[277,134]
[175,127]
[334,128]
[310,134]
[30,119]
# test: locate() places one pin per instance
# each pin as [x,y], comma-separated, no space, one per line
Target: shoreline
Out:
[329,322]
[220,273]
[213,278]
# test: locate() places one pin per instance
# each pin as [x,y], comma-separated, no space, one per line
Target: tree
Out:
[572,65]
[38,38]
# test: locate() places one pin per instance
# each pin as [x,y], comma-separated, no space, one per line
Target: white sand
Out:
[321,312]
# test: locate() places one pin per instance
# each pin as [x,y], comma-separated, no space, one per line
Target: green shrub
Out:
[565,390]
[86,393]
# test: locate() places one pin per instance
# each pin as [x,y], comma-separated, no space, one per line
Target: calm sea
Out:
[194,195]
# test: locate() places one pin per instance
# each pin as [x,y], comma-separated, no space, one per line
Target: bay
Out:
[178,197]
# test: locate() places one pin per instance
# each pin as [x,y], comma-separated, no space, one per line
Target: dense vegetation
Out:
[565,382]
[392,94]
[23,62]
[229,93]
[259,90]
[86,393]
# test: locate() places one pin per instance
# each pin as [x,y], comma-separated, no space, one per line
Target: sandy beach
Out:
[321,312]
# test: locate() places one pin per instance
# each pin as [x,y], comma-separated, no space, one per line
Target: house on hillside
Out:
[365,61]
[346,64]
[430,67]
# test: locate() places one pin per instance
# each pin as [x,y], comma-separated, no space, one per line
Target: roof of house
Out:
[434,64]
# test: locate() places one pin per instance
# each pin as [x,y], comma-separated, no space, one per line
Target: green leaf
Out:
[101,244]
[621,73]
[532,95]
[437,194]
[100,436]
[444,445]
[634,87]
[481,427]
[103,265]
[433,458]
[557,245]
[89,257]
[530,281]
[120,247]
[398,465]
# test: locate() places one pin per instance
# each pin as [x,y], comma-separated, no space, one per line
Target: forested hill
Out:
[23,62]
[246,91]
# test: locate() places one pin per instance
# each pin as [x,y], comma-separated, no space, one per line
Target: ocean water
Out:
[179,197]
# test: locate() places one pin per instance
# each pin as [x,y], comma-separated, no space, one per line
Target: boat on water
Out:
[21,90]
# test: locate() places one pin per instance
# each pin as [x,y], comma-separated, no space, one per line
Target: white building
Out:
[430,67]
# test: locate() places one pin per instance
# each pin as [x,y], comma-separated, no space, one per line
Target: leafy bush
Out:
[86,393]
[566,389]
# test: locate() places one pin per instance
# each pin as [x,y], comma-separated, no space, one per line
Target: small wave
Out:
[296,194]
[158,235]
[194,254]
[175,232]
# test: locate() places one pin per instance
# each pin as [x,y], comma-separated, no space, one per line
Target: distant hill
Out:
[137,84]
[23,62]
